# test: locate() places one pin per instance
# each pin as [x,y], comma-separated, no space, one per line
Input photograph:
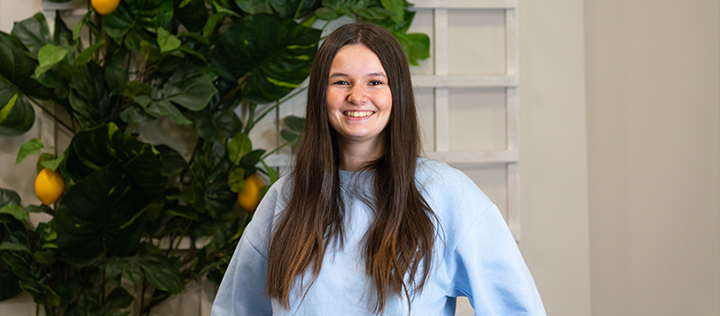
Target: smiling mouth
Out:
[358,113]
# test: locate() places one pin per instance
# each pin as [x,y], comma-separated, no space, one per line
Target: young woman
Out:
[363,225]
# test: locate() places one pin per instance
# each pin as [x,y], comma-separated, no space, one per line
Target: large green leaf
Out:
[139,17]
[97,148]
[191,13]
[291,9]
[209,185]
[17,66]
[162,273]
[10,286]
[189,87]
[16,114]
[9,197]
[218,120]
[90,98]
[33,32]
[94,216]
[62,35]
[276,53]
[254,6]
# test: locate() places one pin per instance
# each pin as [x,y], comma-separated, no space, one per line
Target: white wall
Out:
[653,81]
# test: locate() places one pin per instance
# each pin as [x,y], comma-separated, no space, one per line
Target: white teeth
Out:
[358,113]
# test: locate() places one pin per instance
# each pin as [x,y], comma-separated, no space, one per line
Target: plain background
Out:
[620,154]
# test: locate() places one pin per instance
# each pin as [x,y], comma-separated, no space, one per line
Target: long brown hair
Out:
[401,238]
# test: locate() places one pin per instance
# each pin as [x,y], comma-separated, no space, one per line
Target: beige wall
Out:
[653,92]
[553,153]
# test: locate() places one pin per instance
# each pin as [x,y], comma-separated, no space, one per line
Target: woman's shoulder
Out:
[453,196]
[439,175]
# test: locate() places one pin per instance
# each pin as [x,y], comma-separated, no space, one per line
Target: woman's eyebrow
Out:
[372,74]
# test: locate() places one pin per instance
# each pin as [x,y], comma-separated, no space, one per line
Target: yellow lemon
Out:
[49,186]
[105,7]
[249,197]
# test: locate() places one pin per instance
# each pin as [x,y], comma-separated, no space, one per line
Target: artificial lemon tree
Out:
[122,206]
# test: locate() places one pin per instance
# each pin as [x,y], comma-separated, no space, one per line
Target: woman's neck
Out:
[356,154]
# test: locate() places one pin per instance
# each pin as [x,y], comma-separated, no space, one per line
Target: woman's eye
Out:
[341,82]
[375,83]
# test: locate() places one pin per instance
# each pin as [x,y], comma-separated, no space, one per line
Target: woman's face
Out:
[358,97]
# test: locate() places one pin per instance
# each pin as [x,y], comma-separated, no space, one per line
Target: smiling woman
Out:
[359,103]
[363,224]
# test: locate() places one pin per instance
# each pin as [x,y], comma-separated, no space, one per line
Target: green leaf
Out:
[295,123]
[16,114]
[251,159]
[43,158]
[35,290]
[10,287]
[191,13]
[212,23]
[396,7]
[294,9]
[135,114]
[182,211]
[85,55]
[86,114]
[8,197]
[162,273]
[135,87]
[326,14]
[91,213]
[117,299]
[45,257]
[8,246]
[33,32]
[50,296]
[53,164]
[17,66]
[133,272]
[254,6]
[219,120]
[189,87]
[277,53]
[16,211]
[271,173]
[117,176]
[239,146]
[90,97]
[236,180]
[210,193]
[165,108]
[49,56]
[62,35]
[167,42]
[172,161]
[137,18]
[30,147]
[116,74]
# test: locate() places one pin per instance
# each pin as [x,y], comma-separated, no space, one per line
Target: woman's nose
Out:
[358,95]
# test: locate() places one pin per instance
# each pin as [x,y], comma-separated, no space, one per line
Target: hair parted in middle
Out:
[401,238]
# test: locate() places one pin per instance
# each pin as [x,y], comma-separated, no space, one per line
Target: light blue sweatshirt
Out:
[475,256]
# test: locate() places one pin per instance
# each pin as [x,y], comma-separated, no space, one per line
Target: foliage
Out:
[129,205]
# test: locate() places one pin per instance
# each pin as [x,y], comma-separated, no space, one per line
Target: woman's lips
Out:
[358,113]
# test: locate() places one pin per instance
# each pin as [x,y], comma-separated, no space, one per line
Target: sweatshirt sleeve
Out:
[242,291]
[487,267]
